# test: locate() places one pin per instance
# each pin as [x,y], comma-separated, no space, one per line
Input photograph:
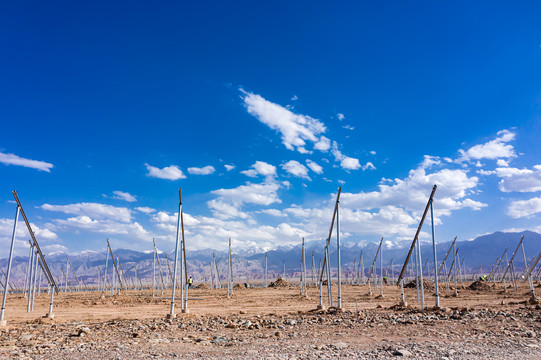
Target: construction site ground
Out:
[279,322]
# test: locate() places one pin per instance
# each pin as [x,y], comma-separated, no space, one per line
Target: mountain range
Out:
[249,264]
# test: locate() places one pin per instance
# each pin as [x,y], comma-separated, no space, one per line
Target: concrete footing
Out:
[185,311]
[403,303]
[49,316]
[320,307]
[3,323]
[171,316]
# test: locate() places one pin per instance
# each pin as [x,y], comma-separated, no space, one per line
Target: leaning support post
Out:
[325,260]
[533,299]
[401,276]
[172,312]
[512,257]
[372,267]
[43,264]
[2,321]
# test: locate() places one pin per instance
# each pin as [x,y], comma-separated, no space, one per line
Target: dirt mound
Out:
[279,283]
[202,287]
[427,285]
[479,285]
[238,286]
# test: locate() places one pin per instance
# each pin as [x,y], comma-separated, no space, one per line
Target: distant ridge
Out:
[481,251]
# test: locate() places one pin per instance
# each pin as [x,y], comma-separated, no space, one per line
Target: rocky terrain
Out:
[278,323]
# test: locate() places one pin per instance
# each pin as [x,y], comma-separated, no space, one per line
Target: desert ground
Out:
[280,323]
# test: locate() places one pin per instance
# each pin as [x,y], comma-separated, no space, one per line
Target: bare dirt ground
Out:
[276,323]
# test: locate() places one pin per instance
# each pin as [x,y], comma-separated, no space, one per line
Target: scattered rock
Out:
[401,352]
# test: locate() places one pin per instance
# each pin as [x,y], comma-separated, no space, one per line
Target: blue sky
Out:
[259,112]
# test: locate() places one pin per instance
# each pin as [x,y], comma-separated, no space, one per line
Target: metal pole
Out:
[338,254]
[30,282]
[2,321]
[456,263]
[27,268]
[381,271]
[34,277]
[153,274]
[325,260]
[437,294]
[421,276]
[229,270]
[266,254]
[172,312]
[105,273]
[329,286]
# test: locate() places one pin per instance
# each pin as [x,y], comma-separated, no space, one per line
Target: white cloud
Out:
[368,165]
[518,180]
[273,212]
[295,168]
[346,162]
[145,210]
[295,129]
[372,152]
[294,98]
[323,144]
[348,127]
[260,194]
[260,168]
[207,170]
[340,116]
[94,210]
[121,195]
[169,173]
[229,167]
[12,159]
[524,208]
[494,149]
[223,210]
[412,192]
[104,226]
[314,166]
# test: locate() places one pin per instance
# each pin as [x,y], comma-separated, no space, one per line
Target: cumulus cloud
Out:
[297,169]
[346,162]
[412,192]
[121,195]
[207,170]
[273,212]
[12,159]
[340,116]
[517,180]
[524,208]
[260,168]
[145,210]
[295,129]
[229,167]
[314,166]
[494,149]
[260,194]
[103,226]
[224,210]
[169,173]
[93,210]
